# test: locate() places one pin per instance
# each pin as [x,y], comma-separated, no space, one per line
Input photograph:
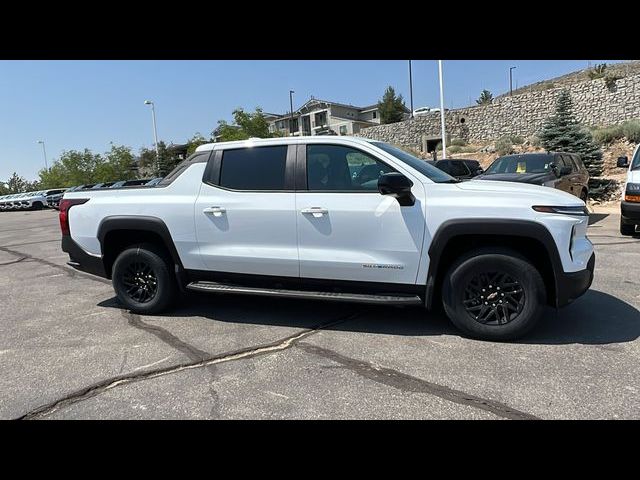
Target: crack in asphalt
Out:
[409,383]
[31,243]
[68,271]
[249,352]
[13,261]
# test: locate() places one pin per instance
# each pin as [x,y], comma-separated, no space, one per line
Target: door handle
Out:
[216,211]
[315,211]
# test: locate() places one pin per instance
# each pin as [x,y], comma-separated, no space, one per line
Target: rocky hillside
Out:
[620,70]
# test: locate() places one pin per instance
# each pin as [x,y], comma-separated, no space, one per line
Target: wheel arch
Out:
[456,237]
[115,233]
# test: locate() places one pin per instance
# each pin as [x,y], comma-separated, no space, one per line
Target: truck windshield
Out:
[429,171]
[530,163]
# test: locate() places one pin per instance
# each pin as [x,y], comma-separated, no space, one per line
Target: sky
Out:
[72,105]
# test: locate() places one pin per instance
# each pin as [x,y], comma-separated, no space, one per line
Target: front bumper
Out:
[81,260]
[630,212]
[570,286]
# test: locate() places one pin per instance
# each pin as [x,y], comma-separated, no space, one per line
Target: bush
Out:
[535,141]
[459,142]
[454,149]
[607,135]
[517,140]
[631,130]
[504,145]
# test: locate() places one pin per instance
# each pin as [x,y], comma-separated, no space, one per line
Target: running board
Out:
[398,299]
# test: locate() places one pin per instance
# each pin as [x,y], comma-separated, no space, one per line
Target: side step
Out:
[399,299]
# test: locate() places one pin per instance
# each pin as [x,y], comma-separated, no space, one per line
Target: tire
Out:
[626,229]
[37,206]
[496,268]
[134,272]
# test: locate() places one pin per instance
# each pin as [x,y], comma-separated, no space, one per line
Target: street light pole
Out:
[444,138]
[44,151]
[155,132]
[411,88]
[291,92]
[511,80]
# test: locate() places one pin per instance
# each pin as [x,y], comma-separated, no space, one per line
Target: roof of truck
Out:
[283,141]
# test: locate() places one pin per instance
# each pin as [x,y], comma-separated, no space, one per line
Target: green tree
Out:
[562,132]
[485,98]
[246,125]
[195,141]
[74,167]
[117,164]
[158,165]
[17,184]
[391,107]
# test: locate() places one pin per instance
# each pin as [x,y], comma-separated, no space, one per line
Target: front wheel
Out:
[493,294]
[626,229]
[143,280]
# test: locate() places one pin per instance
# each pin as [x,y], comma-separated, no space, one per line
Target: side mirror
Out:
[623,162]
[398,186]
[479,171]
[565,171]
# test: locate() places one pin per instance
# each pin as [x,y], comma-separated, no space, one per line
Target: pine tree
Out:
[391,107]
[485,98]
[563,133]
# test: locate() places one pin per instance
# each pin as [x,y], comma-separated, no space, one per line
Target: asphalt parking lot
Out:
[68,351]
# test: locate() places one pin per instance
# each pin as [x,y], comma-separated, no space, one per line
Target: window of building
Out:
[375,114]
[258,168]
[343,129]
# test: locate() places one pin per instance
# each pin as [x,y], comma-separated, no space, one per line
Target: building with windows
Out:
[321,117]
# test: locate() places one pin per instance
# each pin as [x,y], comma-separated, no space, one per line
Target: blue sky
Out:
[77,104]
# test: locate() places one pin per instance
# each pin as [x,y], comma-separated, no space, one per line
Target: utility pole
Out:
[444,139]
[155,133]
[511,80]
[291,92]
[44,151]
[411,88]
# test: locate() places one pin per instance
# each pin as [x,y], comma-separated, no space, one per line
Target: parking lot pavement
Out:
[67,350]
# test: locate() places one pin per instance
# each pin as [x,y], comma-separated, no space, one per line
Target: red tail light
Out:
[65,205]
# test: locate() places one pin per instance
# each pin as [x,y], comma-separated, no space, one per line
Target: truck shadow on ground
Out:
[594,319]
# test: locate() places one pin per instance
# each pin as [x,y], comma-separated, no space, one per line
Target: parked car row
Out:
[559,170]
[51,198]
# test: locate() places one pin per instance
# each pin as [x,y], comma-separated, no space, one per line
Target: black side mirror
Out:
[398,186]
[479,171]
[623,162]
[565,171]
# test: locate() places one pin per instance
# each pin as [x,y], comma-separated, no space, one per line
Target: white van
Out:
[630,205]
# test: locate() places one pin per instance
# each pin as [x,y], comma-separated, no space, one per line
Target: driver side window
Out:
[343,169]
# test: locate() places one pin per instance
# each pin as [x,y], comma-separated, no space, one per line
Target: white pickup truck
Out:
[630,204]
[336,218]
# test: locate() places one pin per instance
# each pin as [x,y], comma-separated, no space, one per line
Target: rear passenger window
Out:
[258,168]
[458,169]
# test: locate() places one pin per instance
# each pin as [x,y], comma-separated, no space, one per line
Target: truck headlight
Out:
[632,194]
[577,210]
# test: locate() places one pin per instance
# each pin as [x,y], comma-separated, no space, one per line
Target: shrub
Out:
[517,139]
[504,145]
[454,149]
[535,141]
[606,135]
[598,71]
[460,142]
[631,130]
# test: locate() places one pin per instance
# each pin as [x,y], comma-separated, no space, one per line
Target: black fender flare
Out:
[488,226]
[143,224]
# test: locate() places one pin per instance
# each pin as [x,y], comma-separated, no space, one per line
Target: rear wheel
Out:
[143,279]
[37,205]
[493,294]
[626,229]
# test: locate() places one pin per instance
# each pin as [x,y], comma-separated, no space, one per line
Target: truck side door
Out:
[347,230]
[245,214]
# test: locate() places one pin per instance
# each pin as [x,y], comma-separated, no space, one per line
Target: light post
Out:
[444,139]
[511,80]
[291,92]
[44,151]
[410,89]
[155,132]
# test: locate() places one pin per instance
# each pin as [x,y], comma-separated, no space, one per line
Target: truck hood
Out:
[533,178]
[519,190]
